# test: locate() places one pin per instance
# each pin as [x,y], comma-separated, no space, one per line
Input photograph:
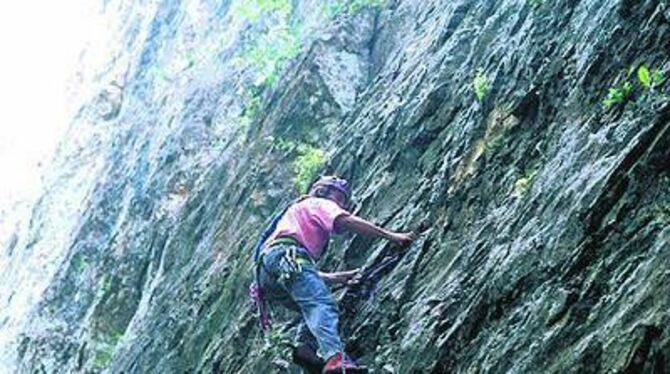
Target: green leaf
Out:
[657,79]
[644,76]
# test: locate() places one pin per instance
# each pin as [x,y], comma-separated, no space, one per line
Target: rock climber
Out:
[287,271]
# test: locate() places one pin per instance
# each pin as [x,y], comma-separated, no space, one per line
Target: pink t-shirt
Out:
[310,222]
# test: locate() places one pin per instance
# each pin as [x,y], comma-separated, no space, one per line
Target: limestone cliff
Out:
[532,136]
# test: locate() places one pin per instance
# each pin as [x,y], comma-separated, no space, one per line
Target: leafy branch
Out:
[650,80]
[481,85]
[618,95]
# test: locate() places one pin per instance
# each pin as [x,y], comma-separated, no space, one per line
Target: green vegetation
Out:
[352,7]
[276,345]
[657,79]
[81,264]
[252,104]
[286,146]
[618,95]
[273,345]
[105,350]
[645,78]
[279,42]
[105,287]
[117,337]
[523,184]
[662,211]
[103,356]
[271,53]
[307,165]
[492,145]
[253,10]
[649,80]
[481,85]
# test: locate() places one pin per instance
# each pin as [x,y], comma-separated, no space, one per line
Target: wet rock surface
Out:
[548,236]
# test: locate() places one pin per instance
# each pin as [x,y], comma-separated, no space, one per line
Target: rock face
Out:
[548,244]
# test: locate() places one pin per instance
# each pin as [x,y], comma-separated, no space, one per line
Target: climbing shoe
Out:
[340,363]
[306,358]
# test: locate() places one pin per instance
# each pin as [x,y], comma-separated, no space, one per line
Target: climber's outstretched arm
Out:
[367,228]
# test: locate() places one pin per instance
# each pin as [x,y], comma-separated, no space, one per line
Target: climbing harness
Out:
[255,290]
[290,264]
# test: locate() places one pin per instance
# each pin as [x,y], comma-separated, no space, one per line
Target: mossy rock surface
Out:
[548,245]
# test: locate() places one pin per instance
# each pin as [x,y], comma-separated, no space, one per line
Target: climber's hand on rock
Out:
[404,240]
[342,277]
[348,277]
[354,276]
